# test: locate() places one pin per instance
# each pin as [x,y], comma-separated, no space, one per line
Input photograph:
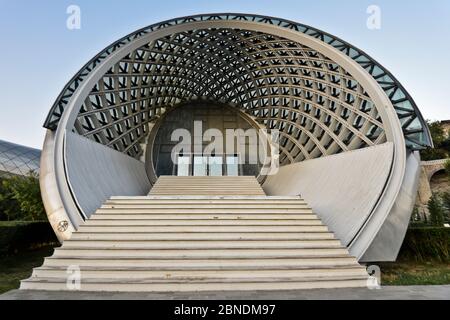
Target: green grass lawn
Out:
[415,273]
[18,267]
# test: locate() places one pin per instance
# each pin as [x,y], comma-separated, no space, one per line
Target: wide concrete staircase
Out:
[201,242]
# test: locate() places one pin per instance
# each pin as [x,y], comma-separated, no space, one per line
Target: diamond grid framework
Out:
[317,106]
[17,159]
[250,65]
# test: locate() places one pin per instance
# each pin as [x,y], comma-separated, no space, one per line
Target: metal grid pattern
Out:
[17,159]
[317,106]
[414,127]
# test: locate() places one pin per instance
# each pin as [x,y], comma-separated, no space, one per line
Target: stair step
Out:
[203,236]
[207,211]
[94,273]
[207,186]
[193,244]
[200,229]
[207,198]
[200,264]
[199,254]
[149,209]
[200,210]
[199,222]
[206,191]
[187,189]
[148,215]
[50,284]
[206,204]
[206,178]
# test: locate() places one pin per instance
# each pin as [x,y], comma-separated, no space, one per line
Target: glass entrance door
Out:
[200,166]
[215,166]
[183,166]
[232,165]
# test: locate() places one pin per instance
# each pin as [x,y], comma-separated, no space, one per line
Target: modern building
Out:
[341,132]
[18,160]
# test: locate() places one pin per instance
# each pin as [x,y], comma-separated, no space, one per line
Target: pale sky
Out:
[39,54]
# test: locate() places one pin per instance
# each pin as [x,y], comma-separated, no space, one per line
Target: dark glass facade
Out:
[17,159]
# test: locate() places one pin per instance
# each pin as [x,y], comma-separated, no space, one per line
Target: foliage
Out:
[431,154]
[425,244]
[437,214]
[441,143]
[437,132]
[18,236]
[446,204]
[20,198]
[447,167]
[20,266]
[9,207]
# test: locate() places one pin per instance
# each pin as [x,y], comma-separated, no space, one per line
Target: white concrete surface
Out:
[96,172]
[342,189]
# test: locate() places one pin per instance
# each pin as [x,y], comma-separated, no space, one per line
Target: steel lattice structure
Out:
[318,107]
[330,102]
[414,127]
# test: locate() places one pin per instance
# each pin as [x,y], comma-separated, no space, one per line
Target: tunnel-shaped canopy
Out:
[199,60]
[329,100]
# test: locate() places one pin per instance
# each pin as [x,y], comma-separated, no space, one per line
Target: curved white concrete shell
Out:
[349,130]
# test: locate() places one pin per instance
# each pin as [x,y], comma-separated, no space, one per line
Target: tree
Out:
[430,154]
[447,167]
[9,207]
[436,211]
[24,197]
[437,133]
[440,150]
[446,205]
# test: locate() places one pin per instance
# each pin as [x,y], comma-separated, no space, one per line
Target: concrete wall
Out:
[424,193]
[342,189]
[388,241]
[431,182]
[96,172]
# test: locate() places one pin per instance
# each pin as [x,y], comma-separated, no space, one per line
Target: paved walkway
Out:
[385,293]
